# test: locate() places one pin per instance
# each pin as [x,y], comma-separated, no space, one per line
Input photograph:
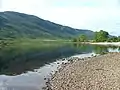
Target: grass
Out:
[25,44]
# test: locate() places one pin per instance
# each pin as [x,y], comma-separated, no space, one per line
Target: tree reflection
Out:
[100,49]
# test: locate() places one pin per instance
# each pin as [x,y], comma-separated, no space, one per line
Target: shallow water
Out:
[26,70]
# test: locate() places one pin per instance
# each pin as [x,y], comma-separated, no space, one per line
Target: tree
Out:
[75,39]
[114,39]
[118,38]
[82,38]
[101,36]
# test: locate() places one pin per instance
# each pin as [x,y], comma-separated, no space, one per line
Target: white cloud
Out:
[89,14]
[0,4]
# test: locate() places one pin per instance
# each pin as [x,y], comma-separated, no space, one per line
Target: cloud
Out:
[89,14]
[0,4]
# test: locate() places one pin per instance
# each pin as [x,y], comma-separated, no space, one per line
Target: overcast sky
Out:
[86,14]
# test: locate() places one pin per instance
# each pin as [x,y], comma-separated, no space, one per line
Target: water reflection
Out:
[24,68]
[14,61]
[105,49]
[100,49]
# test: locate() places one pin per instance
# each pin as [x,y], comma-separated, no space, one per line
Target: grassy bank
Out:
[31,42]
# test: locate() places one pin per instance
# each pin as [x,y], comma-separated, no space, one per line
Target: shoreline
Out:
[106,43]
[102,43]
[92,73]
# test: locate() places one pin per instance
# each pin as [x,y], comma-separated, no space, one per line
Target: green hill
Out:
[19,25]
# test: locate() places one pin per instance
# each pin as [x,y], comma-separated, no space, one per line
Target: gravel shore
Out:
[95,73]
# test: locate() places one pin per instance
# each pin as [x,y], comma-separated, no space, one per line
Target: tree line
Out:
[99,36]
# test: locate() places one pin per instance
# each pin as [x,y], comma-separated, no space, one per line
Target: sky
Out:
[82,14]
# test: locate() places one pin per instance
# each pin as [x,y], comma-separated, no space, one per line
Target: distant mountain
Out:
[18,25]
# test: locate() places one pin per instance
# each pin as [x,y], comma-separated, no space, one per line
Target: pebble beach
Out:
[94,73]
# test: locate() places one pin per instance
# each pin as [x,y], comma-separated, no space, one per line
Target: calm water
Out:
[25,69]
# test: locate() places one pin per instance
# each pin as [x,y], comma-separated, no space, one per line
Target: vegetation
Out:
[114,39]
[101,36]
[81,38]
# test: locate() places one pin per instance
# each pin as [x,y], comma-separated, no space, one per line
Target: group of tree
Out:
[81,38]
[103,36]
[99,36]
[114,39]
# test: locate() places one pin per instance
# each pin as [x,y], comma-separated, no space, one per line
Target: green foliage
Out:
[101,36]
[82,38]
[75,39]
[113,39]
